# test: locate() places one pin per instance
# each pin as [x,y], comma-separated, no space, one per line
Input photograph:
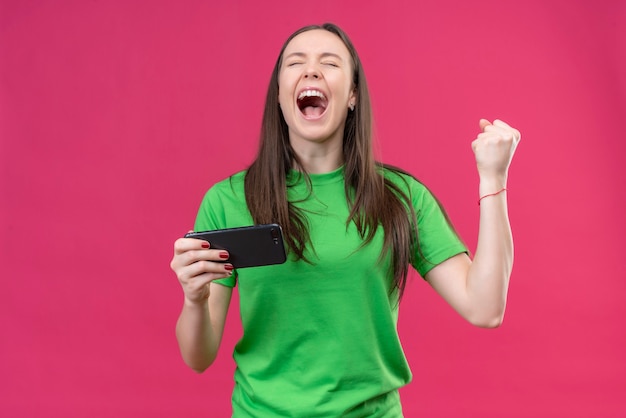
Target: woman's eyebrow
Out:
[322,55]
[332,55]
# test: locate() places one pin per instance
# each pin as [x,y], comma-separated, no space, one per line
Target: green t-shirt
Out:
[320,339]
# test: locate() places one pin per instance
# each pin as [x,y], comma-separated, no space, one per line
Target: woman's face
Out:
[315,87]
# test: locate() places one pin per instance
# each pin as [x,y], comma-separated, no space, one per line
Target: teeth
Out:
[309,93]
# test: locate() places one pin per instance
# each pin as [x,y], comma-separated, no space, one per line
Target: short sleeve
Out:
[437,239]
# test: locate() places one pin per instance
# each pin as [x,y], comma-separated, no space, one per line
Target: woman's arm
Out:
[200,328]
[201,322]
[478,289]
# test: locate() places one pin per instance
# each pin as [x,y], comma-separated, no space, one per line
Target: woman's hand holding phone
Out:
[196,265]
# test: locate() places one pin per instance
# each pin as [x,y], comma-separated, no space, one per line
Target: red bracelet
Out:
[492,194]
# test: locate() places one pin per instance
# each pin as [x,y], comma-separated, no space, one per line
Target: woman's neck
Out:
[318,158]
[319,165]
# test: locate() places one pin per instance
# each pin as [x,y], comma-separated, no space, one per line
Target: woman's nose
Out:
[312,72]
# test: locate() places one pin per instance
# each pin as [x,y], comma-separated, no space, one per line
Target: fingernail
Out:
[224,255]
[229,267]
[205,244]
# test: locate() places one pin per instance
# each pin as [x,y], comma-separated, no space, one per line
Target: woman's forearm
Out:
[197,338]
[489,273]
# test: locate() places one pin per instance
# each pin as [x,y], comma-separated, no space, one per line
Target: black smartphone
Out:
[248,246]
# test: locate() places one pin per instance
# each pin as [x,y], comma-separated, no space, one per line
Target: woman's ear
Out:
[352,101]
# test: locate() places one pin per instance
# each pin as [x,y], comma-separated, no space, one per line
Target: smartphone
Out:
[248,246]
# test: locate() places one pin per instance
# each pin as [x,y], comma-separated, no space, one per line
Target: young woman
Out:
[319,332]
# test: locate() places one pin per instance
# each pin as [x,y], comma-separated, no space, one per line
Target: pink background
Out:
[116,116]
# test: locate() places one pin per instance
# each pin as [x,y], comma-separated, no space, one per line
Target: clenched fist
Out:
[494,148]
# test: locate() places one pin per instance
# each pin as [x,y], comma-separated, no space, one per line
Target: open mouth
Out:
[312,103]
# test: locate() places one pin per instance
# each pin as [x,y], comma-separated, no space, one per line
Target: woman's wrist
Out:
[196,305]
[492,184]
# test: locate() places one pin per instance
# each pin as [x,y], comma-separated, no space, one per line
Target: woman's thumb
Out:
[483,124]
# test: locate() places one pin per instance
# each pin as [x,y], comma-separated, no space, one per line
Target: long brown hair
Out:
[374,201]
